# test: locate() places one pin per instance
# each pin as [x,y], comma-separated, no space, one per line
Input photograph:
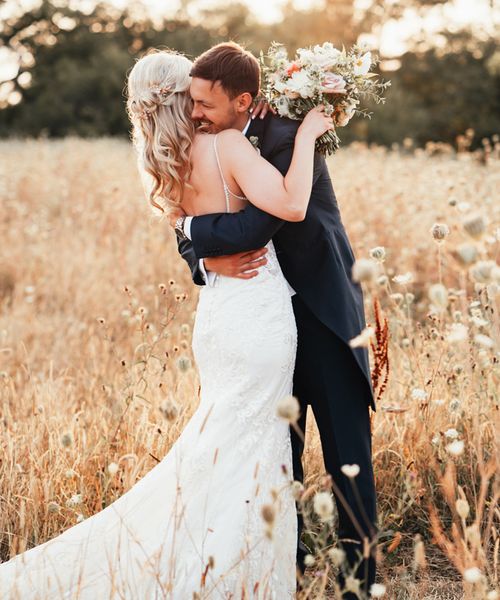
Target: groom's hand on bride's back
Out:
[243,265]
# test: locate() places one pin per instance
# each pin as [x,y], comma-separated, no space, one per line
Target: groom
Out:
[316,258]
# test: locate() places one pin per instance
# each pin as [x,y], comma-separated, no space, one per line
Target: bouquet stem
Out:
[328,143]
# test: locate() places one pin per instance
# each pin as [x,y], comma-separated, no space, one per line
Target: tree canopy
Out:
[73,66]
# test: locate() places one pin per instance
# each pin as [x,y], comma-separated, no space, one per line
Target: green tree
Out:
[80,64]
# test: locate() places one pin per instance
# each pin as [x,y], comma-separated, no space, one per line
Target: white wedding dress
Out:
[193,526]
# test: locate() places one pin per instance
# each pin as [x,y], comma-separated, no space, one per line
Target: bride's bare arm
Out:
[284,197]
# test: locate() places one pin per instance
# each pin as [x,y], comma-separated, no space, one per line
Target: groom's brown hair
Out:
[235,68]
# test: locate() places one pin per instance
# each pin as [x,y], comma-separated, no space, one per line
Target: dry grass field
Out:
[96,372]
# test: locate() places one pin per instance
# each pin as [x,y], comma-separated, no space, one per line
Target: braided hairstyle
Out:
[159,107]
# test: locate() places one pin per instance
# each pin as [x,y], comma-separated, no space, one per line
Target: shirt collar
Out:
[244,132]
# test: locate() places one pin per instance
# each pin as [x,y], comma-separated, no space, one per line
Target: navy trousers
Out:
[328,378]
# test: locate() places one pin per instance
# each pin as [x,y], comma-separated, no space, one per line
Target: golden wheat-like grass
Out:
[96,373]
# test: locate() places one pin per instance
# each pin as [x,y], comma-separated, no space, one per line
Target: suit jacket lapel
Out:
[256,129]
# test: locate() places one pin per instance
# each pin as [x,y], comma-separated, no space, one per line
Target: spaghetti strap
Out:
[227,191]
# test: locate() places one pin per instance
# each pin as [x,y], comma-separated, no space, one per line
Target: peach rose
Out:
[333,84]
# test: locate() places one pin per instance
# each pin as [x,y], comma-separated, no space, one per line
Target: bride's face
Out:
[213,108]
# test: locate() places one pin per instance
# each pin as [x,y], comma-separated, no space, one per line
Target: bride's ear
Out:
[244,102]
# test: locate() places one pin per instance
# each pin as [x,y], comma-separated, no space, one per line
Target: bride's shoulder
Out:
[233,141]
[230,135]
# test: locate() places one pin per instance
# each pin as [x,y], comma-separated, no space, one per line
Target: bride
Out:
[216,517]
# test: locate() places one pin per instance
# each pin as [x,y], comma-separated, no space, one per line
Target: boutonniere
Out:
[254,140]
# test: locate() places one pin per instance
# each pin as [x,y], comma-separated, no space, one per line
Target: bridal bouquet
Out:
[320,75]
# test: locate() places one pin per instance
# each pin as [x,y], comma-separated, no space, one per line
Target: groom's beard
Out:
[206,126]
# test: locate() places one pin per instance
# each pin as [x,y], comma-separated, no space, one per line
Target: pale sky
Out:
[392,41]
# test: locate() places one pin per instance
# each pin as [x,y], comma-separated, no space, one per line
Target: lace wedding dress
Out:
[193,526]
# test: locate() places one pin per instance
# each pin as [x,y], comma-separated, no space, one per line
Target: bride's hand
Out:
[261,109]
[316,122]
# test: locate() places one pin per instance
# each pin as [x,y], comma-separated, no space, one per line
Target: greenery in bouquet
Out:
[339,79]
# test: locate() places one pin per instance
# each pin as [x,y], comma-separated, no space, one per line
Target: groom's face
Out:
[213,107]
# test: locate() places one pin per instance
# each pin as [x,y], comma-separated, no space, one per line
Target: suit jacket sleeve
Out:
[228,233]
[186,250]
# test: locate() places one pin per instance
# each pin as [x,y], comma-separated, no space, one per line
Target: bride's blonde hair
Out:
[159,107]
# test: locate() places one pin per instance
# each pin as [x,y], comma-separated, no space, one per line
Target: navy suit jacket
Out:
[315,254]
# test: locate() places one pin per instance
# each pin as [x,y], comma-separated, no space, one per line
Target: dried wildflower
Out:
[479,321]
[484,340]
[75,500]
[492,595]
[462,507]
[397,298]
[440,231]
[378,254]
[183,364]
[484,359]
[456,448]
[309,560]
[473,575]
[363,339]
[403,279]
[382,280]
[268,513]
[53,507]
[211,562]
[70,473]
[458,333]
[364,270]
[113,469]
[419,558]
[297,490]
[438,295]
[451,434]
[80,518]
[473,535]
[475,225]
[323,505]
[67,439]
[377,590]
[466,254]
[352,585]
[482,271]
[337,556]
[169,410]
[419,394]
[350,471]
[289,409]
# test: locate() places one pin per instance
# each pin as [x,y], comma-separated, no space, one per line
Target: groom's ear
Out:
[243,102]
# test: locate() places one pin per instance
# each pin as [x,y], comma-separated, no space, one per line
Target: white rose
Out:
[326,56]
[299,83]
